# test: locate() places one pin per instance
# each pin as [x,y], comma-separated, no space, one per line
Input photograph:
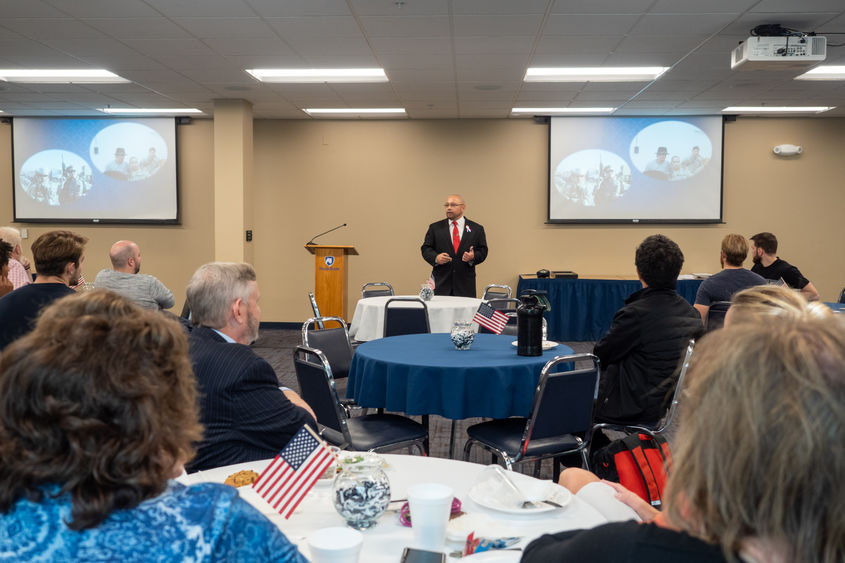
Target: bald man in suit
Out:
[454,247]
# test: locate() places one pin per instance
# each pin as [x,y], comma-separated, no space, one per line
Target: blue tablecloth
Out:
[582,309]
[425,374]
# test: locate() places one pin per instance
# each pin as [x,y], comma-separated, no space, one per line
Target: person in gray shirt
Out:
[145,290]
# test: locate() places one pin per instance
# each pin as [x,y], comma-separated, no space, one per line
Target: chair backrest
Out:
[332,341]
[507,306]
[399,318]
[314,307]
[679,386]
[376,289]
[316,387]
[186,310]
[563,401]
[842,295]
[496,291]
[716,315]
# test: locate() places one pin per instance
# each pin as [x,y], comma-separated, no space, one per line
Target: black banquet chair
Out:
[314,307]
[716,315]
[371,432]
[405,315]
[496,291]
[376,289]
[333,342]
[560,421]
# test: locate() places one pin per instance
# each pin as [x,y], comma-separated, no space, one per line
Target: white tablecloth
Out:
[385,541]
[443,311]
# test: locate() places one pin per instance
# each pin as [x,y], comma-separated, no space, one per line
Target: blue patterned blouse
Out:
[205,522]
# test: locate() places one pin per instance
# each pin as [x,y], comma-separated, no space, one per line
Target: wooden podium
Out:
[330,277]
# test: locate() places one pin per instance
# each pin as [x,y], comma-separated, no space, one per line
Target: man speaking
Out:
[454,246]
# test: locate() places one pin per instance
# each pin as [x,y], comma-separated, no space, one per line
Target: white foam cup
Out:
[431,504]
[335,545]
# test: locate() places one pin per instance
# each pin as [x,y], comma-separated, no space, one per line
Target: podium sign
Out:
[330,277]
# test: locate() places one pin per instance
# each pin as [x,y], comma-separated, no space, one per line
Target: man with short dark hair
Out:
[642,348]
[246,415]
[732,278]
[58,261]
[764,254]
[125,279]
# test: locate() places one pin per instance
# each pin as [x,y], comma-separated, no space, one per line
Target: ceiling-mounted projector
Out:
[779,53]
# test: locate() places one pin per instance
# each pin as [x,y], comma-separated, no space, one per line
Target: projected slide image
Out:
[119,170]
[671,150]
[592,177]
[55,177]
[128,151]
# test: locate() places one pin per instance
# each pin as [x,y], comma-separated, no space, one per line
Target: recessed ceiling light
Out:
[60,76]
[178,111]
[305,75]
[824,72]
[594,74]
[777,109]
[555,111]
[355,112]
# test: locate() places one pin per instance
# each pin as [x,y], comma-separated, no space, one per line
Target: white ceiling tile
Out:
[601,6]
[206,8]
[139,28]
[96,8]
[698,7]
[610,24]
[494,44]
[805,6]
[416,26]
[226,27]
[296,8]
[500,7]
[337,26]
[247,47]
[497,25]
[694,24]
[410,45]
[52,28]
[329,45]
[389,7]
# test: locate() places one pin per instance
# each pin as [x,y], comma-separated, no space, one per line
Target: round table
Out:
[425,374]
[385,541]
[443,311]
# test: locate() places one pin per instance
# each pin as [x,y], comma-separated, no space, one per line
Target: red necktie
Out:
[456,239]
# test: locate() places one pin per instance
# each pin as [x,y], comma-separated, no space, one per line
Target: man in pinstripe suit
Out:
[245,413]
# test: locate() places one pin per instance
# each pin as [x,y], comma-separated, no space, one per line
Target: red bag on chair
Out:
[639,462]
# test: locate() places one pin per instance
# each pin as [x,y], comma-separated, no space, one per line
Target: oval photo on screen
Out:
[592,177]
[671,150]
[128,151]
[55,177]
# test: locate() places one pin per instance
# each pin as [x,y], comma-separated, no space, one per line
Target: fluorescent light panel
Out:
[178,111]
[777,109]
[555,111]
[307,75]
[824,72]
[354,111]
[60,76]
[594,74]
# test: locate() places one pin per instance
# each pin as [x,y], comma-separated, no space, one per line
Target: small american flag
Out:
[293,472]
[490,318]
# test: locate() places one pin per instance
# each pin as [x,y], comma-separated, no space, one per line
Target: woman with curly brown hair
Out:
[98,412]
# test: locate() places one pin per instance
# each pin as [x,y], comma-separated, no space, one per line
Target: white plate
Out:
[547,344]
[533,489]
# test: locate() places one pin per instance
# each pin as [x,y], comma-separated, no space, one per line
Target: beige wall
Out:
[171,253]
[388,180]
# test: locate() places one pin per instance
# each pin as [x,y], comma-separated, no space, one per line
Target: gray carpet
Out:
[276,346]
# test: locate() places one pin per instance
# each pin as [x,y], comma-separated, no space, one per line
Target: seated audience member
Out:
[752,304]
[764,254]
[98,409]
[641,350]
[18,265]
[756,475]
[145,290]
[58,261]
[245,413]
[732,278]
[5,255]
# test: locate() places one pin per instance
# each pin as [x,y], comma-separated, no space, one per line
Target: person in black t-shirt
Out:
[764,248]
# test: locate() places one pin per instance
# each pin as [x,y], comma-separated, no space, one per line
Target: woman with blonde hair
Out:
[755,303]
[757,473]
[98,411]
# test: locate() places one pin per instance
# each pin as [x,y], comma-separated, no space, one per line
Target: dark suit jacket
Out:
[456,277]
[246,416]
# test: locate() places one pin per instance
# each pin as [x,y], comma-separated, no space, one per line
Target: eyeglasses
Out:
[453,205]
